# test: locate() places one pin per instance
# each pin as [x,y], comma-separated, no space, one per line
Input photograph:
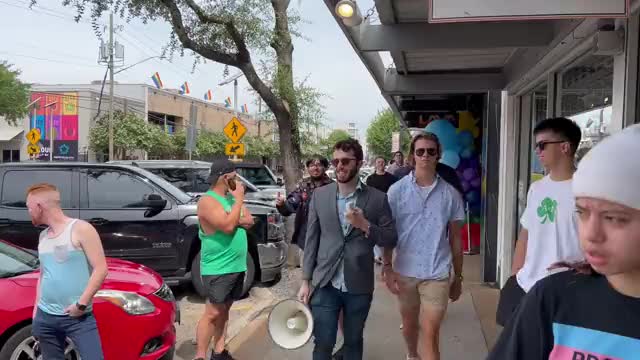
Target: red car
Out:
[135,310]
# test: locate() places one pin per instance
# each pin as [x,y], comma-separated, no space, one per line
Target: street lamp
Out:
[348,11]
[50,106]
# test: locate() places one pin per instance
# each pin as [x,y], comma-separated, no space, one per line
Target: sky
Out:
[50,48]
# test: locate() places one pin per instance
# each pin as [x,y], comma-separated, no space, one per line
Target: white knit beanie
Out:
[611,170]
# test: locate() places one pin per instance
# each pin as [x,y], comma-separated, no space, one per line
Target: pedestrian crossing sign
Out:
[235,130]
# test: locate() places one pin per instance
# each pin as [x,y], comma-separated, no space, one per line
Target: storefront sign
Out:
[499,10]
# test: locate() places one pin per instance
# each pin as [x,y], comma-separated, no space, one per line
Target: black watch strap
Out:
[81,307]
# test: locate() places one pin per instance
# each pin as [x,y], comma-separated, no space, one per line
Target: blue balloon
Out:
[467,153]
[466,139]
[446,133]
[450,158]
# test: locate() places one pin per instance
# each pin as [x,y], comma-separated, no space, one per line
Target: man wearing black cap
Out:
[222,220]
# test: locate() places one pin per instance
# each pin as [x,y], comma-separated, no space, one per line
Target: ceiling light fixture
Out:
[348,11]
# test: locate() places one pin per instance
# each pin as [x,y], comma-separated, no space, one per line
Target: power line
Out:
[46,11]
[48,60]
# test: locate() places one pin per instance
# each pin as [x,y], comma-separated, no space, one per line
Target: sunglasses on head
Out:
[429,151]
[542,144]
[343,161]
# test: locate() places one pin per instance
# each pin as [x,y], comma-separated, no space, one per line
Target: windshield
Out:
[190,180]
[14,261]
[259,176]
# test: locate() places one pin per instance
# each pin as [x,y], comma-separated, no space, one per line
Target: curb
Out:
[265,301]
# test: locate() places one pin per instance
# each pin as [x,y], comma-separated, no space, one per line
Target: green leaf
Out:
[14,95]
[380,132]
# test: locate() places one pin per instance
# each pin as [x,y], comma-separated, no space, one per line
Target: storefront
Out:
[590,81]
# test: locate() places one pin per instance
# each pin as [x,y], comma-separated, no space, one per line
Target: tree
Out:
[227,31]
[130,133]
[332,139]
[14,95]
[380,132]
[257,146]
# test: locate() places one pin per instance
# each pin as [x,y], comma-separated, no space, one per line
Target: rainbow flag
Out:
[245,109]
[208,95]
[184,88]
[227,102]
[156,80]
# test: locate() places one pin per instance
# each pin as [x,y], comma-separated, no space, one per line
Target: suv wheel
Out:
[22,345]
[198,284]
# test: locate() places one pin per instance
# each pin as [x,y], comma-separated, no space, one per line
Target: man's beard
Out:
[350,176]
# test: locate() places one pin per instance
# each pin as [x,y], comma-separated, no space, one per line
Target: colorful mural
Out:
[461,140]
[63,112]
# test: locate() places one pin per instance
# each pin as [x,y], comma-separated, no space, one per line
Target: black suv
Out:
[140,217]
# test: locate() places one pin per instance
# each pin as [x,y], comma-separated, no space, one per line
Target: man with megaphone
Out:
[338,265]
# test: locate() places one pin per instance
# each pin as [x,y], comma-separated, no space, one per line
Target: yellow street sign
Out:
[234,149]
[235,130]
[33,149]
[33,136]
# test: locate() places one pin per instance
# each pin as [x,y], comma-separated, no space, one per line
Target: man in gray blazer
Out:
[346,219]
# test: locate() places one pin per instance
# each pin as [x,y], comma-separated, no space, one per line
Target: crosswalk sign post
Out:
[34,137]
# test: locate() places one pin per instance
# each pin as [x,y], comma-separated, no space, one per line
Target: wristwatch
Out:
[81,307]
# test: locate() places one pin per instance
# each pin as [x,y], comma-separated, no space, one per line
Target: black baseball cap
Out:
[219,168]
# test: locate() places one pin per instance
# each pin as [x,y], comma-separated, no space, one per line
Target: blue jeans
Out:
[52,330]
[326,305]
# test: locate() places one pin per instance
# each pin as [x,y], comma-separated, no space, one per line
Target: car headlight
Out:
[131,303]
[165,293]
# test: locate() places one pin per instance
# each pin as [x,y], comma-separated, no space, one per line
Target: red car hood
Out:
[123,275]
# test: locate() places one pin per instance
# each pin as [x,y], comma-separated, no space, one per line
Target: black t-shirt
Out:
[572,316]
[381,182]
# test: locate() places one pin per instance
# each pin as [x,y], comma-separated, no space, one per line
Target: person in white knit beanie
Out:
[593,311]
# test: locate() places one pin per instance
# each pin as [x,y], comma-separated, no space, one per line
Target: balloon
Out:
[467,153]
[465,138]
[469,174]
[465,186]
[446,134]
[450,158]
[472,197]
[476,182]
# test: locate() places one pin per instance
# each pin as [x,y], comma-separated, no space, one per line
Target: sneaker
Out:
[222,356]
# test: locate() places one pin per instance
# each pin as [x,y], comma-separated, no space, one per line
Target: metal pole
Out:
[51,133]
[111,87]
[235,95]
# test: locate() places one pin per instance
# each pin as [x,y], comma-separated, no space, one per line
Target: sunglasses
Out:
[343,161]
[429,151]
[543,144]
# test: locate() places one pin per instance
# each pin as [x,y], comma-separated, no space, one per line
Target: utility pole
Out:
[111,158]
[259,114]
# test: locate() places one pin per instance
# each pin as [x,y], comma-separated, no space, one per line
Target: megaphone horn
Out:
[290,324]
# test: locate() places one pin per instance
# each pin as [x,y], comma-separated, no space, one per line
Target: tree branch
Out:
[204,17]
[188,43]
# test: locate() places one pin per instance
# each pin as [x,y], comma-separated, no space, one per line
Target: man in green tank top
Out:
[223,219]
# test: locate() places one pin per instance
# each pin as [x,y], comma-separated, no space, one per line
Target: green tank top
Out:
[223,253]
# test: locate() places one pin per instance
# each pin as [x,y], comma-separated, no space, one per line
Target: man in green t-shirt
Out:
[223,219]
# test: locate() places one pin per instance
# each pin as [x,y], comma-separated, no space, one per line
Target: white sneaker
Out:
[412,358]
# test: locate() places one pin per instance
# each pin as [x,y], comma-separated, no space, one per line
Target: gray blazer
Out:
[326,244]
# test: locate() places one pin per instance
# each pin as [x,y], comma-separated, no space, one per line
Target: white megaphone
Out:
[290,324]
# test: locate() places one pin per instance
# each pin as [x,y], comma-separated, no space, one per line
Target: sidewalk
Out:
[462,337]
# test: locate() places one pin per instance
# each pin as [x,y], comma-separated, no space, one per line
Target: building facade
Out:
[71,110]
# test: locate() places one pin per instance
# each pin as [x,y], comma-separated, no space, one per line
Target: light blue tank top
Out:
[64,269]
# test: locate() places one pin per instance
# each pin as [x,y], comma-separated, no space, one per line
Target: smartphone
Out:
[231,183]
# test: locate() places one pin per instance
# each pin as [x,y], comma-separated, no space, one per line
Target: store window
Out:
[586,95]
[539,108]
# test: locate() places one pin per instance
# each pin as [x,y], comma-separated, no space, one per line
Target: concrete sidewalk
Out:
[462,336]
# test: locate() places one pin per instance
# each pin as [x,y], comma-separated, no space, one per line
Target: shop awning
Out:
[9,132]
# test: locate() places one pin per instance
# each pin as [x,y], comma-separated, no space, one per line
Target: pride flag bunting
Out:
[184,89]
[208,95]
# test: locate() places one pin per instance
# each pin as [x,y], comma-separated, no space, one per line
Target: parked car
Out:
[140,217]
[135,310]
[263,178]
[191,177]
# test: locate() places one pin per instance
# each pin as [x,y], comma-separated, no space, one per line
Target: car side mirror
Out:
[279,182]
[154,204]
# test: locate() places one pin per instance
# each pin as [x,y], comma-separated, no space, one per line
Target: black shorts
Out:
[224,288]
[511,296]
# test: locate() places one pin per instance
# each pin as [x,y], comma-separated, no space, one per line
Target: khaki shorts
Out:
[415,292]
